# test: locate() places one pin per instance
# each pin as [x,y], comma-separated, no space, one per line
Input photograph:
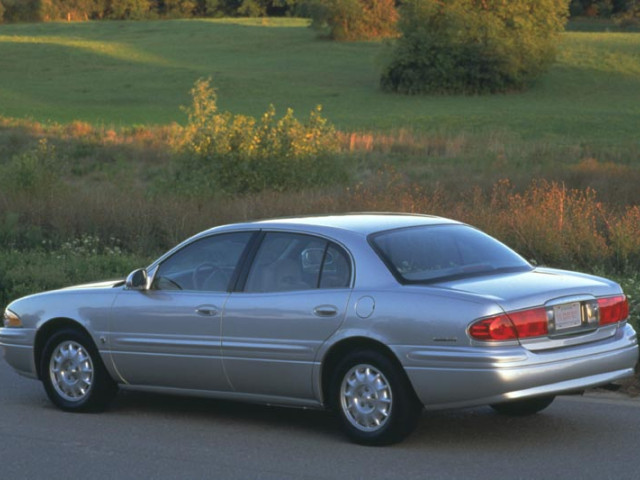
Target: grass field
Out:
[139,73]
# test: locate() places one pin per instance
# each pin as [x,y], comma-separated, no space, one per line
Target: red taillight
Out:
[530,323]
[494,328]
[613,309]
[511,326]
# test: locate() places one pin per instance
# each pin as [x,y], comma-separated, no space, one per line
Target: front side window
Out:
[289,261]
[439,252]
[207,264]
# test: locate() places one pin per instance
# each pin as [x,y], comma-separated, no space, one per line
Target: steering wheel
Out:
[202,276]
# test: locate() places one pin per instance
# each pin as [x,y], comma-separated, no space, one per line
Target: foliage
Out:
[177,8]
[237,153]
[473,46]
[631,287]
[600,8]
[47,267]
[33,172]
[352,20]
[128,9]
[629,18]
[50,10]
[2,9]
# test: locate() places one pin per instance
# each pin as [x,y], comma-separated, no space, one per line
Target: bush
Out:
[238,154]
[473,46]
[629,18]
[34,172]
[354,19]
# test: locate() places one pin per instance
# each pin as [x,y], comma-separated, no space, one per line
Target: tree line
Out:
[75,10]
[601,8]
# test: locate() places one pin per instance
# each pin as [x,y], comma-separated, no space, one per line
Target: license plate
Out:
[567,316]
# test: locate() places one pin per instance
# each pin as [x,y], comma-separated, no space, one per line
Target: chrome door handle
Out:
[325,311]
[207,311]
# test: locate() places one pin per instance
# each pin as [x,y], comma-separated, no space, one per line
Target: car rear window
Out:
[438,252]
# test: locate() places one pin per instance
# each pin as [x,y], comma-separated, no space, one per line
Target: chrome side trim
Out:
[167,343]
[160,354]
[466,355]
[244,397]
[264,347]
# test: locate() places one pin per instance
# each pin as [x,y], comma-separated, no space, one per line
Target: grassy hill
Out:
[139,73]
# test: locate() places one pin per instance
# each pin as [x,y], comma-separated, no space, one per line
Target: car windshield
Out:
[440,252]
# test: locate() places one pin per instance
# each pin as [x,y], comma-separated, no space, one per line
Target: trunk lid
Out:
[570,299]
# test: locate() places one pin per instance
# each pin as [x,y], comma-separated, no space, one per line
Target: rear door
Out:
[294,297]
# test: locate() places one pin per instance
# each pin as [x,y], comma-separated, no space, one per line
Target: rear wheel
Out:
[73,374]
[373,398]
[521,408]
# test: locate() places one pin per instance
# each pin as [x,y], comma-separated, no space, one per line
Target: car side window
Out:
[207,264]
[290,261]
[336,268]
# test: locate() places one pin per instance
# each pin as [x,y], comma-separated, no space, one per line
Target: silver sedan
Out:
[373,316]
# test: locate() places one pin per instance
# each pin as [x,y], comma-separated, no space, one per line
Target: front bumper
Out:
[17,346]
[448,377]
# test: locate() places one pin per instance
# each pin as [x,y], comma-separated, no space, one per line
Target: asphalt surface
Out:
[152,436]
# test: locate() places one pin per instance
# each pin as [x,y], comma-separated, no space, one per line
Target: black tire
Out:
[521,408]
[73,374]
[384,399]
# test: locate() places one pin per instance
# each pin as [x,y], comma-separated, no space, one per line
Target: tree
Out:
[1,12]
[601,8]
[473,46]
[128,9]
[177,8]
[354,19]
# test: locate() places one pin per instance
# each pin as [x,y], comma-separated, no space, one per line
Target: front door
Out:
[170,334]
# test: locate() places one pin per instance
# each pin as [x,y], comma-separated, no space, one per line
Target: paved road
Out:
[150,436]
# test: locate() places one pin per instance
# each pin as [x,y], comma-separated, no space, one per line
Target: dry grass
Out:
[570,206]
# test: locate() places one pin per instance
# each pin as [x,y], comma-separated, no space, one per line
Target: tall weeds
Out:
[569,206]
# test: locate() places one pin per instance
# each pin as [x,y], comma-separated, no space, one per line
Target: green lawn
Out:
[129,73]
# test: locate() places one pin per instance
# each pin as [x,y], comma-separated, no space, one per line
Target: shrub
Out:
[354,19]
[33,172]
[473,46]
[238,154]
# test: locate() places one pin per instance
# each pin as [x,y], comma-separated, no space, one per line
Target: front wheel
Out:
[521,408]
[374,399]
[73,374]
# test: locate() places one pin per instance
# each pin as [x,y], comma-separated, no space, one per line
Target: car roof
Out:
[362,223]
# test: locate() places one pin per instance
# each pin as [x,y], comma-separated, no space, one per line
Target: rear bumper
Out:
[17,348]
[469,376]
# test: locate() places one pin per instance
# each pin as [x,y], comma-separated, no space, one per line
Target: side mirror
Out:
[137,280]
